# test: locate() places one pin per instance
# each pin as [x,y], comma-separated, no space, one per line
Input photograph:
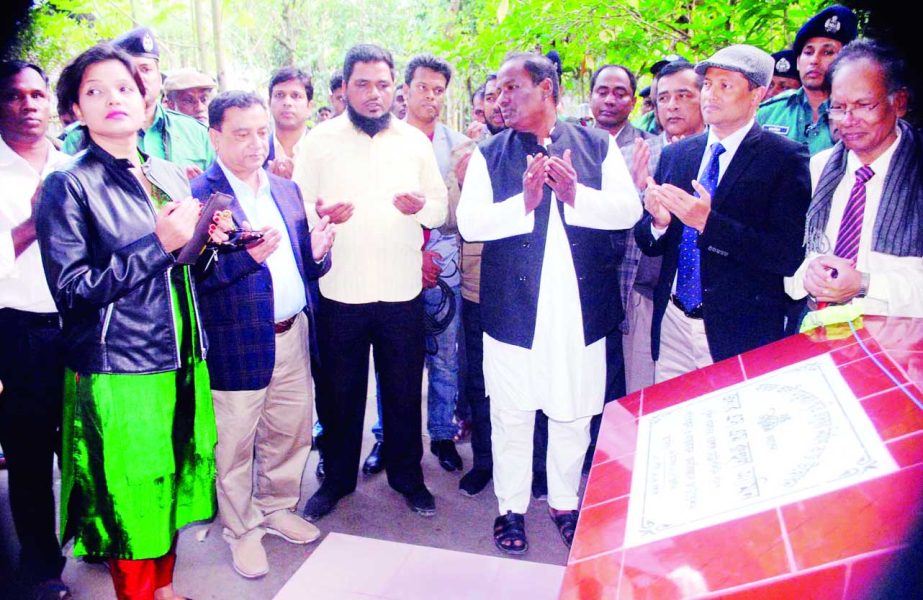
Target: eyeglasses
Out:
[859,111]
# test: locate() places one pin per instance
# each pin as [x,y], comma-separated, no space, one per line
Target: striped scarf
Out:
[899,224]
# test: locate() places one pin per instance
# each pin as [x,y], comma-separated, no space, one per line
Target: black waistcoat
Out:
[511,268]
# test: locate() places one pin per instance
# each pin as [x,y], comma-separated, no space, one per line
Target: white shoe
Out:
[290,527]
[247,554]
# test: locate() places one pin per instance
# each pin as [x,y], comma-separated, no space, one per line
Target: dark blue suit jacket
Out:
[752,239]
[235,292]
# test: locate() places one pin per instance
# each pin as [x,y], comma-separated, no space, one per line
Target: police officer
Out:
[167,134]
[802,114]
[785,73]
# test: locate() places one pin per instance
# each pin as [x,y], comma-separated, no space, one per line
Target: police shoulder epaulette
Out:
[779,98]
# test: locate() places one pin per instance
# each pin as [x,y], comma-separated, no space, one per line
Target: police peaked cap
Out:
[836,22]
[785,64]
[138,42]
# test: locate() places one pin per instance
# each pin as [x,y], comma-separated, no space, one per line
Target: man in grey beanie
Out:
[726,210]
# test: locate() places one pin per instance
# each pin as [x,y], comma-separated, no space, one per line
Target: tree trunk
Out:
[198,13]
[219,47]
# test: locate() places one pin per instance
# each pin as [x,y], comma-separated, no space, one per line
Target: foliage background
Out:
[241,41]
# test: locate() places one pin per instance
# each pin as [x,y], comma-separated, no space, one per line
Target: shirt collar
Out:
[803,101]
[237,184]
[732,142]
[9,157]
[277,145]
[159,118]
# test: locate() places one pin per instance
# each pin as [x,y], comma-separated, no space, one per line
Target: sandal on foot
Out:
[566,522]
[510,533]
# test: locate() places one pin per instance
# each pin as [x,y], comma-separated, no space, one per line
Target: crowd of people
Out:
[537,266]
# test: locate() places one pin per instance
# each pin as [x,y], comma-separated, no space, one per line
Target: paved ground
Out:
[373,510]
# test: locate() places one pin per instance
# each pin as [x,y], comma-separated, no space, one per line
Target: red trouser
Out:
[137,579]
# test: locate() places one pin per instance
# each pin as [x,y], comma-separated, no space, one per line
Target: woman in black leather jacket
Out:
[139,428]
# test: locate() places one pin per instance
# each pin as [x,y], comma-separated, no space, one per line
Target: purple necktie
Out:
[847,240]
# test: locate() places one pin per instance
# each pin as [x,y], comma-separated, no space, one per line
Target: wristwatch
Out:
[864,286]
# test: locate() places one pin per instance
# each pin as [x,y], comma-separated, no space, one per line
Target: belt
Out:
[695,313]
[33,319]
[283,326]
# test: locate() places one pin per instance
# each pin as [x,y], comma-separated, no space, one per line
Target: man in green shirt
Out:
[801,114]
[167,134]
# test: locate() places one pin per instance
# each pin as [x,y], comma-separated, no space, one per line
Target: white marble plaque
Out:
[788,435]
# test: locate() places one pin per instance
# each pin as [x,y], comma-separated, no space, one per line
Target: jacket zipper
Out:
[106,320]
[173,318]
[177,359]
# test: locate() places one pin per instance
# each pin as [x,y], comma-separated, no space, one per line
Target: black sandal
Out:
[510,533]
[566,523]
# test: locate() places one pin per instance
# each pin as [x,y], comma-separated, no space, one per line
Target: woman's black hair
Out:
[68,90]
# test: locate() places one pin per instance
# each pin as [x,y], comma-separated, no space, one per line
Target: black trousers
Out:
[32,372]
[474,386]
[394,331]
[615,388]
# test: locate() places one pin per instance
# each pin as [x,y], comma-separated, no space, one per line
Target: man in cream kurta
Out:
[544,196]
[377,179]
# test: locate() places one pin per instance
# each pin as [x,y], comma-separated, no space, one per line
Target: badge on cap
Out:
[832,25]
[147,42]
[782,65]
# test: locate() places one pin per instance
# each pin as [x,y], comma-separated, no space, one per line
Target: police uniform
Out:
[789,113]
[172,136]
[647,123]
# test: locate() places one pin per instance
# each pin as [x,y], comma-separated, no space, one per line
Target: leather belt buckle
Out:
[283,326]
[695,313]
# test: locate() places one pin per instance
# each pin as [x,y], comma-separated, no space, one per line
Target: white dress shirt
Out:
[559,374]
[895,282]
[287,285]
[22,278]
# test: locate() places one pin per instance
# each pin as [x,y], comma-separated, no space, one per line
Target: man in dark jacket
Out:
[727,213]
[257,311]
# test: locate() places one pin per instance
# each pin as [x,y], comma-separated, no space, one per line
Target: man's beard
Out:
[370,125]
[493,129]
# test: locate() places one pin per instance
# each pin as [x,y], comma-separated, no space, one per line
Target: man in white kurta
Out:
[559,373]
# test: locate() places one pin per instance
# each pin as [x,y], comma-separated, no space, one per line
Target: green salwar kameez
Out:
[138,450]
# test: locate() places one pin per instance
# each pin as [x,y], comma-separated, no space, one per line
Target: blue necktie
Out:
[689,275]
